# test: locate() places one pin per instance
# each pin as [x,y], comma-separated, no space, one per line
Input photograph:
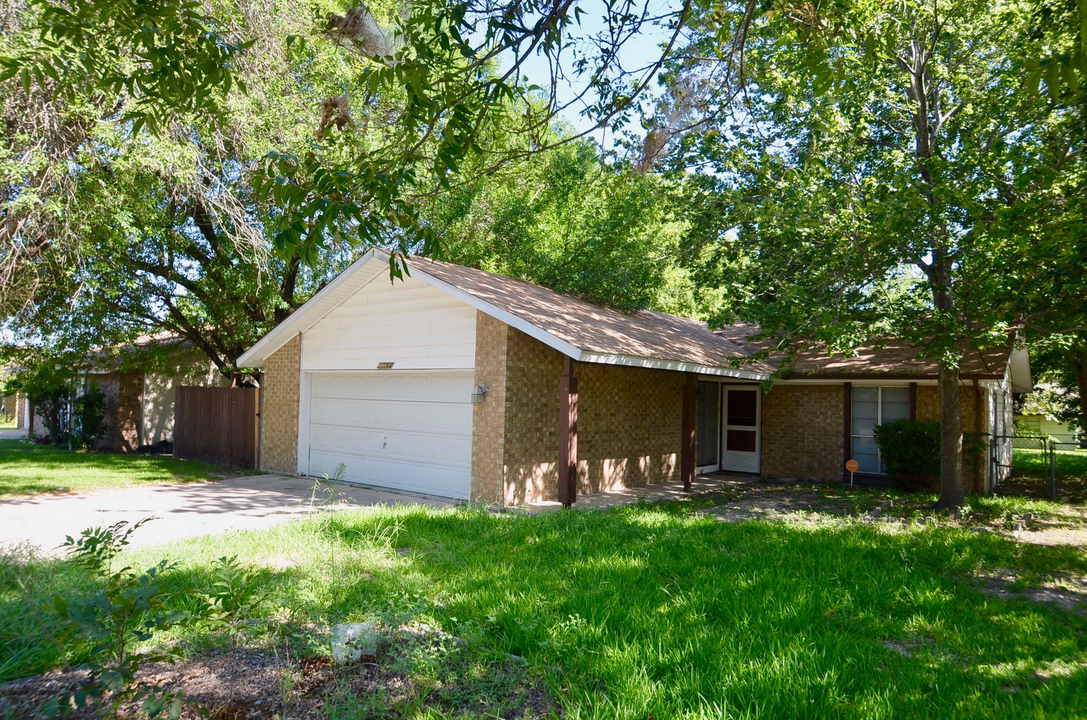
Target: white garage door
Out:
[409,431]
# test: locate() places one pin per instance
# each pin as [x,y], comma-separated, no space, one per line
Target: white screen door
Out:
[741,430]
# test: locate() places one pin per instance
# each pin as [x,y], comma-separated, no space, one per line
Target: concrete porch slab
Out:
[656,492]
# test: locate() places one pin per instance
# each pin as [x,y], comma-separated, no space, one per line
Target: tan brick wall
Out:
[123,396]
[803,430]
[489,416]
[974,470]
[629,423]
[9,405]
[532,419]
[279,409]
[129,411]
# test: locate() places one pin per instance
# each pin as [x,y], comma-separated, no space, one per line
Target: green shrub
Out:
[51,403]
[911,452]
[89,417]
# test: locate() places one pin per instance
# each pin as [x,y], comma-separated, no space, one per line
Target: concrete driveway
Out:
[185,510]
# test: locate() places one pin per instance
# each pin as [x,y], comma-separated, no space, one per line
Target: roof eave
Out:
[1019,372]
[600,358]
[281,334]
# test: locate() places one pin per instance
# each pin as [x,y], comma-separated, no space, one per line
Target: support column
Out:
[980,484]
[686,463]
[913,401]
[567,434]
[847,423]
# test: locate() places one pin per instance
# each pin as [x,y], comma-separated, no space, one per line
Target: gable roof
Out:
[592,333]
[577,328]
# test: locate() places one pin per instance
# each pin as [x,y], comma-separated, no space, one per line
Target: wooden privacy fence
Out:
[217,425]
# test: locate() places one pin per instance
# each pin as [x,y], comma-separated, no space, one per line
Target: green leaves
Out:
[156,60]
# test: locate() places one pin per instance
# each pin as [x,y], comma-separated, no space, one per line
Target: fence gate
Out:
[216,425]
[1032,471]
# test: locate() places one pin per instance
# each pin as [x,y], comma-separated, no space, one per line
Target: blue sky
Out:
[636,53]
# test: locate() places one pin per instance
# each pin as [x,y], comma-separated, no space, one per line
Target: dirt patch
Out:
[815,503]
[412,671]
[1065,592]
[741,501]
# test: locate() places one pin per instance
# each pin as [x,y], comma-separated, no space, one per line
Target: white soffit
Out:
[1020,374]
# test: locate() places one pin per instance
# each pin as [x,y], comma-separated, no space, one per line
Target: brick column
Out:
[489,416]
[129,416]
[279,413]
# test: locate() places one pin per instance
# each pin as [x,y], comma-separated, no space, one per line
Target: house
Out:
[1037,417]
[466,384]
[140,392]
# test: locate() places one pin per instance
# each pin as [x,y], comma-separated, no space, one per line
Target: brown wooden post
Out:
[913,401]
[686,463]
[847,441]
[568,434]
[979,475]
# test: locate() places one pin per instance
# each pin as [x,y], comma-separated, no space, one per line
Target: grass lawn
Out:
[26,469]
[1031,473]
[654,611]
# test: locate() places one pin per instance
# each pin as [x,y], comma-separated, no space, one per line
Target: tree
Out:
[433,89]
[566,220]
[120,233]
[875,167]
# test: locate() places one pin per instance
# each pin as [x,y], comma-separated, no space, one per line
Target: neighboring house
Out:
[1038,425]
[9,406]
[462,383]
[1038,415]
[140,401]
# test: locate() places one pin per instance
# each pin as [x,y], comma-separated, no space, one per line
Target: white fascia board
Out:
[1019,370]
[281,334]
[674,365]
[862,382]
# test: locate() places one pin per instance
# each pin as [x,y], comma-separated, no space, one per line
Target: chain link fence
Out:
[1038,467]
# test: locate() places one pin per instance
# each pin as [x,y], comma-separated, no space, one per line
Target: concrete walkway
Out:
[185,510]
[659,491]
[12,434]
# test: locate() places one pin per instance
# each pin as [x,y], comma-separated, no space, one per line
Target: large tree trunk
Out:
[1079,364]
[951,487]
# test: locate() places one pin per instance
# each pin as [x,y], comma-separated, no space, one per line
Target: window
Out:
[874,406]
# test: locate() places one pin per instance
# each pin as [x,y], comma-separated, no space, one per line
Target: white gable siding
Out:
[407,323]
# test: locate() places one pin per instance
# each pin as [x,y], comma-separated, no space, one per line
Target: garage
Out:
[402,430]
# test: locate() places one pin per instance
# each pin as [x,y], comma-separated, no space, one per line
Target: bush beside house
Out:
[911,452]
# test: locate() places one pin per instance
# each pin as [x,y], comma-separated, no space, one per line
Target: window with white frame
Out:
[874,406]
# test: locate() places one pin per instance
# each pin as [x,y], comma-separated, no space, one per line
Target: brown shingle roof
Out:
[887,359]
[594,333]
[898,359]
[593,328]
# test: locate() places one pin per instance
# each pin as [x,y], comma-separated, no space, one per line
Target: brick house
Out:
[139,401]
[466,384]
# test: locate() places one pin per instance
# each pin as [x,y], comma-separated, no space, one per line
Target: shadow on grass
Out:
[655,612]
[27,468]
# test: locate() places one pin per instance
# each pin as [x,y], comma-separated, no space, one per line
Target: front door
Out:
[741,430]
